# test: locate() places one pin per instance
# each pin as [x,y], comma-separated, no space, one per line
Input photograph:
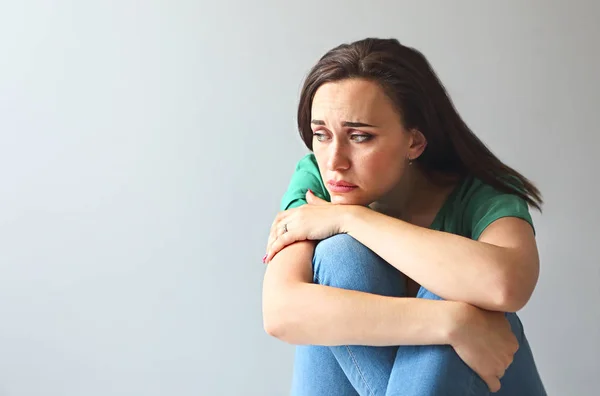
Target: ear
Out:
[417,144]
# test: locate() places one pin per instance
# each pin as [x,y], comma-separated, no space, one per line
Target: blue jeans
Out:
[421,370]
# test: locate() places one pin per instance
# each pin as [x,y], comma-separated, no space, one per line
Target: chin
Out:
[345,199]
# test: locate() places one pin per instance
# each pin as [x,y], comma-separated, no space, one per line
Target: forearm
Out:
[314,314]
[451,266]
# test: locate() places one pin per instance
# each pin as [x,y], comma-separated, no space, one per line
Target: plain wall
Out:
[145,145]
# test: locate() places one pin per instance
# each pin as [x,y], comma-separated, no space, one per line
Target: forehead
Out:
[352,100]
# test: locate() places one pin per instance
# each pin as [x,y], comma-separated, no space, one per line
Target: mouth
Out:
[340,186]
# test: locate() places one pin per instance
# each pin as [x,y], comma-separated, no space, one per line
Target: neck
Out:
[417,197]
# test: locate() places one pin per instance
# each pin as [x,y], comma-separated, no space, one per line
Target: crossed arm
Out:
[299,312]
[498,273]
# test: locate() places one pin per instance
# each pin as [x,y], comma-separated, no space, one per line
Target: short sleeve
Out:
[306,176]
[491,208]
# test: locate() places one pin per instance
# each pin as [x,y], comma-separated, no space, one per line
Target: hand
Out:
[317,220]
[485,342]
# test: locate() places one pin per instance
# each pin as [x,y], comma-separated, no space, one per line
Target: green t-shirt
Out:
[468,210]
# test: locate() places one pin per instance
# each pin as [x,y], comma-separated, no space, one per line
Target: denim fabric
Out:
[422,370]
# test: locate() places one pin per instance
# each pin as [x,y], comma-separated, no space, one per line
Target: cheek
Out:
[383,168]
[381,162]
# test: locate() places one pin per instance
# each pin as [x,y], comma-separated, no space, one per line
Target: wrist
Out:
[455,321]
[348,217]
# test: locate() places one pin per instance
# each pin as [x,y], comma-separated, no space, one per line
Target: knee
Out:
[342,261]
[341,247]
[339,259]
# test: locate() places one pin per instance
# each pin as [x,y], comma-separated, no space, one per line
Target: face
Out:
[359,141]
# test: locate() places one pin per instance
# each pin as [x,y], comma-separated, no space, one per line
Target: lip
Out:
[340,183]
[340,186]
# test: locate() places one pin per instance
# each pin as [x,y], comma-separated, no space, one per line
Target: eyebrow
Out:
[348,124]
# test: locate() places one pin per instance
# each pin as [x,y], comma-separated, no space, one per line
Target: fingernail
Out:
[310,191]
[264,258]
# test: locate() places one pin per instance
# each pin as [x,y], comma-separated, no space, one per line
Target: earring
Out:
[410,162]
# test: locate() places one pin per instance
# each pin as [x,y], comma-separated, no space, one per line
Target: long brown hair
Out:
[423,103]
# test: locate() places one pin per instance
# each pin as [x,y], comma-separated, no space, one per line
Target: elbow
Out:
[512,286]
[505,302]
[510,297]
[281,326]
[273,323]
[514,283]
[272,329]
[280,319]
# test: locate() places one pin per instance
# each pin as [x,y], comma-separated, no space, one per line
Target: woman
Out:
[404,246]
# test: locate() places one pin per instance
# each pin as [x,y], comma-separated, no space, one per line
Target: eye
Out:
[319,136]
[360,138]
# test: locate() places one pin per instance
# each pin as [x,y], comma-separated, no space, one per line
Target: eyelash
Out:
[365,136]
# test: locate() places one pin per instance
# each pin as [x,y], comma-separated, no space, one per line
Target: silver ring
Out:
[285,228]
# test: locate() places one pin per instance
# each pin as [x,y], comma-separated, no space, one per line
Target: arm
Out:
[497,272]
[299,312]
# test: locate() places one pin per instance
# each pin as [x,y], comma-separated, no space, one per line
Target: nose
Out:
[338,158]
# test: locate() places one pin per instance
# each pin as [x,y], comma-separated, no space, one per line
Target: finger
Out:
[500,374]
[516,346]
[507,365]
[312,199]
[272,236]
[277,232]
[279,243]
[275,228]
[493,383]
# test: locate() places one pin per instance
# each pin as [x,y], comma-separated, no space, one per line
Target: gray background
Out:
[144,147]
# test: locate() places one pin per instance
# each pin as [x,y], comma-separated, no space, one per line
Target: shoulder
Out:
[308,163]
[307,167]
[306,176]
[479,204]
